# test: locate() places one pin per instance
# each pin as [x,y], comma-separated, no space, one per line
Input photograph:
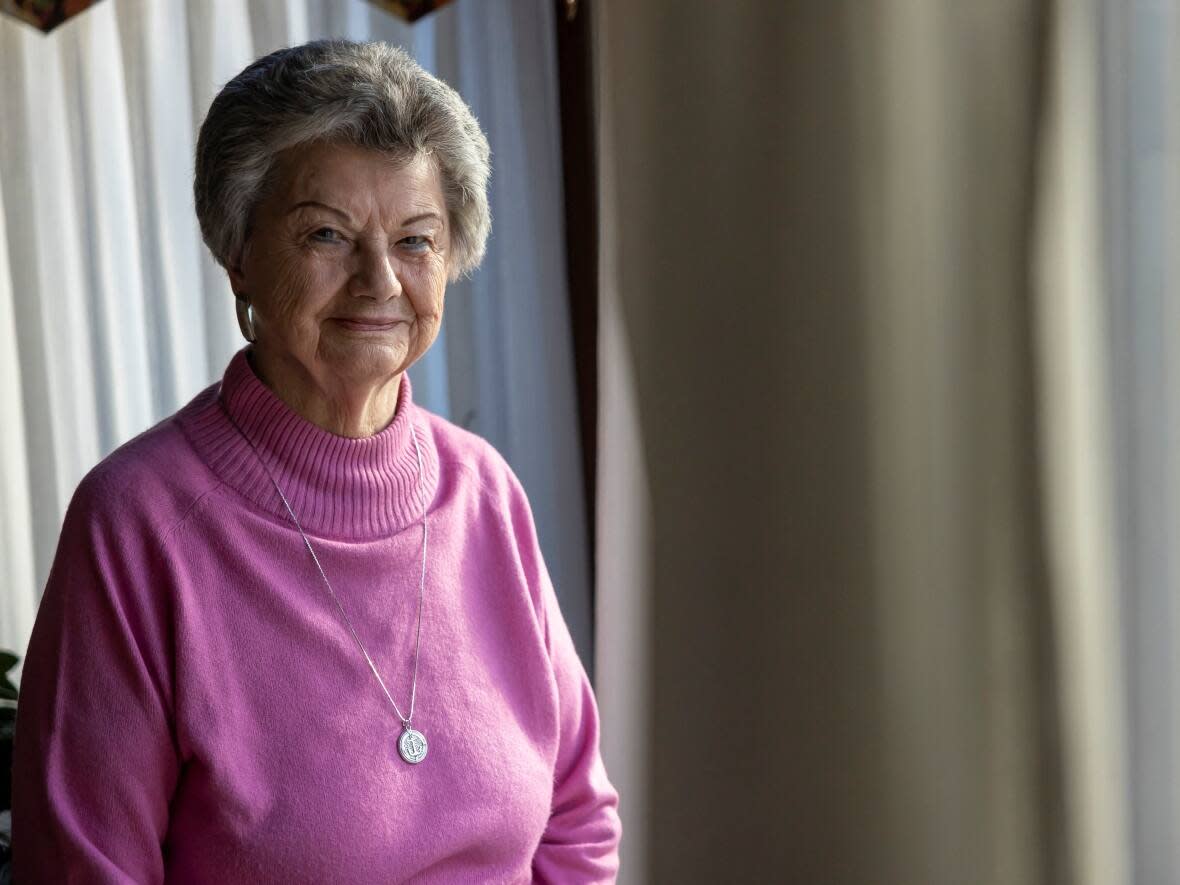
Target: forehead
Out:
[356,178]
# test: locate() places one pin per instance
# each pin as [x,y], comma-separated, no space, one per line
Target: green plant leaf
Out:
[7,661]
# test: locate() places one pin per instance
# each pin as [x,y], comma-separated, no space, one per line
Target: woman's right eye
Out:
[326,235]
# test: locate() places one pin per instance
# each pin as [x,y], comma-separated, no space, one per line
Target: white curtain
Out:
[113,314]
[1138,319]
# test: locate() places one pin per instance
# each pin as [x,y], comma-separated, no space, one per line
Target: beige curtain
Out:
[950,95]
[860,614]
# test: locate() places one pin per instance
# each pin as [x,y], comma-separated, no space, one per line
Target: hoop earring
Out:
[245,313]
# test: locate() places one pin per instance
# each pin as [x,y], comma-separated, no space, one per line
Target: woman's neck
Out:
[354,411]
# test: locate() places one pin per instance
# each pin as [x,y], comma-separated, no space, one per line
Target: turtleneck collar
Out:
[339,487]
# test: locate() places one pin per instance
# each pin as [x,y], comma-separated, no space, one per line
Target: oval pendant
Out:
[412,746]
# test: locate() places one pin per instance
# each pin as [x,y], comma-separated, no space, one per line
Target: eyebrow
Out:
[320,205]
[421,217]
[316,203]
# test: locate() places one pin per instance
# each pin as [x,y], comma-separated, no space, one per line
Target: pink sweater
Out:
[194,709]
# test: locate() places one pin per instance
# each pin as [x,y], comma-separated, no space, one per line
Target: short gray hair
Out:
[371,95]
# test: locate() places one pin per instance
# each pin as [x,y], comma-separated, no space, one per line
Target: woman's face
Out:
[346,267]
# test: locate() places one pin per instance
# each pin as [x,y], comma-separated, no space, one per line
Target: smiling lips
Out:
[368,325]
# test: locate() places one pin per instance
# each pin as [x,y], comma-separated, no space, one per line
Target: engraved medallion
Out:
[412,746]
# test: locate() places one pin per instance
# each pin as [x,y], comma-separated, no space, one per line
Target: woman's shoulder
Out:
[464,452]
[156,475]
[470,465]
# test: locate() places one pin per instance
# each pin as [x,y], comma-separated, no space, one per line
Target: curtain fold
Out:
[624,632]
[152,35]
[114,314]
[16,533]
[1077,421]
[47,272]
[107,227]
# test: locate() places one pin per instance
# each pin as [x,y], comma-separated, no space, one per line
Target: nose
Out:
[375,276]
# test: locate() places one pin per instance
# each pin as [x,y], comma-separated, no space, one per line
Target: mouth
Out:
[374,325]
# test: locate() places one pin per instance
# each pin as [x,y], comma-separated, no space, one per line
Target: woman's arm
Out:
[95,762]
[581,841]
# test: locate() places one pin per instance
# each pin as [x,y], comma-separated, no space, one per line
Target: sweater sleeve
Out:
[581,840]
[95,764]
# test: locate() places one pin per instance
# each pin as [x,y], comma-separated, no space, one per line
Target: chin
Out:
[369,363]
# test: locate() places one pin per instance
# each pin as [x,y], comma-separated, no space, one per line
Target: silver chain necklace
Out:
[411,745]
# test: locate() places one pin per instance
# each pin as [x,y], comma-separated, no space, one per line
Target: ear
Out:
[237,274]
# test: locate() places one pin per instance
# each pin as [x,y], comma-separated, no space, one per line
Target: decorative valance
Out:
[44,14]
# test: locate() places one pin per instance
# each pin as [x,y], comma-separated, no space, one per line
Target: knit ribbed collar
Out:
[339,487]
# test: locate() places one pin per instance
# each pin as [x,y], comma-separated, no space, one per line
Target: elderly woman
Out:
[301,631]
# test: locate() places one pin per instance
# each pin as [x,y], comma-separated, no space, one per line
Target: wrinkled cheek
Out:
[428,330]
[299,295]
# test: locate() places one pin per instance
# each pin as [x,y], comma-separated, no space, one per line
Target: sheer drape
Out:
[113,314]
[1138,80]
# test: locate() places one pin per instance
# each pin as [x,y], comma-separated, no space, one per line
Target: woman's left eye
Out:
[415,243]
